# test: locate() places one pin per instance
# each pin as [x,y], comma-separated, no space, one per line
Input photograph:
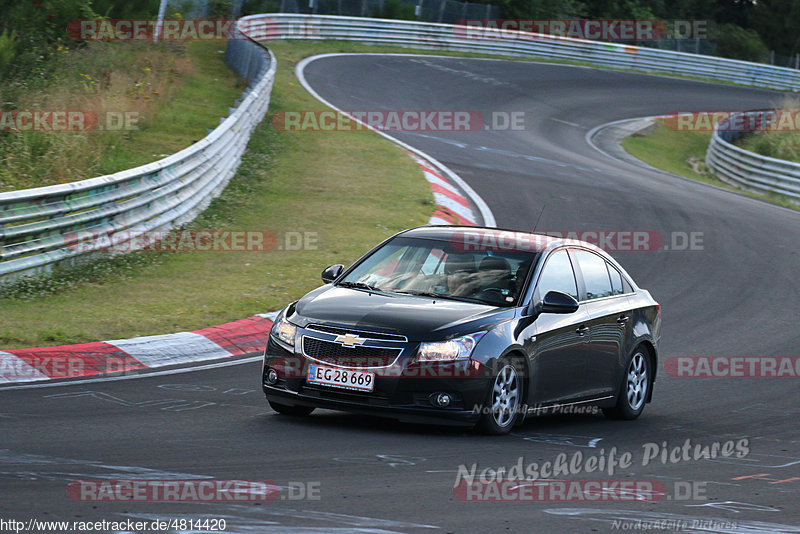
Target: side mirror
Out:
[558,302]
[332,273]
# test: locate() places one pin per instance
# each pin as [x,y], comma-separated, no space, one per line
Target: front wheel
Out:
[296,411]
[503,400]
[634,390]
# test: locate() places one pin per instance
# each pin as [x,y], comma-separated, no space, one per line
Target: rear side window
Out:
[557,275]
[616,280]
[595,274]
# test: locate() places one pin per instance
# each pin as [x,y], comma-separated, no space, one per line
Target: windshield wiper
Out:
[421,293]
[438,295]
[443,296]
[358,285]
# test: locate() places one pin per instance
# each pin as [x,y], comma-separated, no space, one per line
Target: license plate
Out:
[341,378]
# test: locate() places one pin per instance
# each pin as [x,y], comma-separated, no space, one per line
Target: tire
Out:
[503,400]
[294,411]
[634,389]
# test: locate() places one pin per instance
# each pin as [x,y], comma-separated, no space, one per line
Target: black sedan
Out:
[465,325]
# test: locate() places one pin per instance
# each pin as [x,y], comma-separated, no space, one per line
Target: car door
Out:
[557,357]
[608,313]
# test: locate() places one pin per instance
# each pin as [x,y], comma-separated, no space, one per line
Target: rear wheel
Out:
[296,411]
[634,389]
[503,401]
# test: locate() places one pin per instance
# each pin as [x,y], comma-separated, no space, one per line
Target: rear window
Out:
[595,274]
[616,280]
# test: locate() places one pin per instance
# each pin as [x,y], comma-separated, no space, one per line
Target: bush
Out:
[544,9]
[35,30]
[776,144]
[783,145]
[8,48]
[254,7]
[219,9]
[735,42]
[395,9]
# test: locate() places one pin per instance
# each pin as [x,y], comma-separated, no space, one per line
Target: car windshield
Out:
[434,268]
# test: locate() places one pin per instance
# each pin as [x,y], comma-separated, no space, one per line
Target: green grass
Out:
[172,91]
[780,145]
[205,95]
[683,153]
[782,140]
[352,188]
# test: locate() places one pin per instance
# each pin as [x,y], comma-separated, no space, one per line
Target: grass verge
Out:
[683,153]
[779,145]
[348,189]
[205,95]
[149,100]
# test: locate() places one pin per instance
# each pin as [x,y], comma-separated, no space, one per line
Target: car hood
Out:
[416,317]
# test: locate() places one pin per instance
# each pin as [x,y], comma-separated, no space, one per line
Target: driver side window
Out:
[558,275]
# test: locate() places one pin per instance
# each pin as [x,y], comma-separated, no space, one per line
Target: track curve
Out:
[733,298]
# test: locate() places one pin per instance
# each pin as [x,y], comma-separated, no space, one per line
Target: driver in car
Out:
[492,280]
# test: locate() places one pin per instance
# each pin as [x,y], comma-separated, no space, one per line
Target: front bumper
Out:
[405,391]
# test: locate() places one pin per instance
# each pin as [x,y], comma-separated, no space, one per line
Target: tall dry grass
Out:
[103,77]
[778,144]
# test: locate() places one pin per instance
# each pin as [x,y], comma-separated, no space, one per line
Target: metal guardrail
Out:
[43,226]
[514,43]
[748,170]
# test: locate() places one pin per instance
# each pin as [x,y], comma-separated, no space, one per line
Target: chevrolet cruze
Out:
[466,325]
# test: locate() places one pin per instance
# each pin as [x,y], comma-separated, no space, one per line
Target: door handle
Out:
[622,319]
[582,330]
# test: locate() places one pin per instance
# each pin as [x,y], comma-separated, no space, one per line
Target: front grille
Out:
[361,333]
[337,354]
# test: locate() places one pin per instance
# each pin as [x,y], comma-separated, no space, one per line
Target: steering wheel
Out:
[493,294]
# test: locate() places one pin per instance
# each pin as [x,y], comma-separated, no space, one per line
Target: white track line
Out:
[485,211]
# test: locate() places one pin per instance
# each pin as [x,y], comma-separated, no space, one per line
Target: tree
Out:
[778,23]
[544,9]
[736,42]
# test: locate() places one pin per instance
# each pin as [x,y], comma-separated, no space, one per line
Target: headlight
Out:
[453,349]
[285,331]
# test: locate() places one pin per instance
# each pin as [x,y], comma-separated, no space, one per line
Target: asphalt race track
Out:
[734,295]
